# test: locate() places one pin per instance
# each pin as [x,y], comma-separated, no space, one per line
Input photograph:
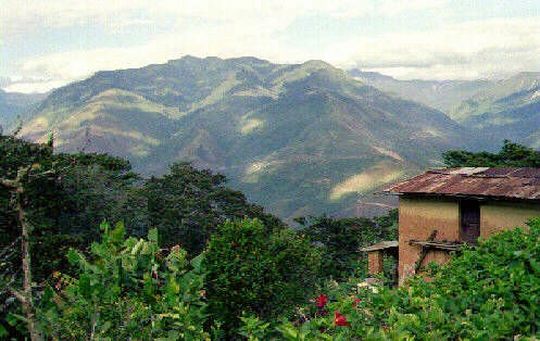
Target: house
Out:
[442,209]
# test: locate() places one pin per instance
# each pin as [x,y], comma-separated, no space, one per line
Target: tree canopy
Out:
[511,155]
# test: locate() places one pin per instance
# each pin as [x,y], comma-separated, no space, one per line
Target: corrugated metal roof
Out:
[516,183]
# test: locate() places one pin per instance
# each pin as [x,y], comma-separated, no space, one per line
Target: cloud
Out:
[488,48]
[448,49]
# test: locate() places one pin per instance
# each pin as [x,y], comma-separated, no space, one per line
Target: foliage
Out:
[127,289]
[187,204]
[254,271]
[84,189]
[341,240]
[510,155]
[184,205]
[489,292]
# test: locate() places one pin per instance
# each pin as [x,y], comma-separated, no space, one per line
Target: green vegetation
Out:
[487,293]
[341,240]
[191,259]
[510,155]
[250,270]
[126,289]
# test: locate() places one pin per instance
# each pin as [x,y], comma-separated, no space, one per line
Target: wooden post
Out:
[424,252]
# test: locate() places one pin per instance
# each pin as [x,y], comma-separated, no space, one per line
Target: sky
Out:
[45,44]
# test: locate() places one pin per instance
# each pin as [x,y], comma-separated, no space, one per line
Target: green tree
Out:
[342,238]
[187,204]
[252,270]
[510,155]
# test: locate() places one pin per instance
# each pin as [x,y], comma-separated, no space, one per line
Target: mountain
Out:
[299,139]
[508,109]
[442,95]
[13,104]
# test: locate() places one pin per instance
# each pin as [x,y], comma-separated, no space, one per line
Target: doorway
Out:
[470,221]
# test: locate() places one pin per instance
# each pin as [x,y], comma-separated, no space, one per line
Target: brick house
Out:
[442,209]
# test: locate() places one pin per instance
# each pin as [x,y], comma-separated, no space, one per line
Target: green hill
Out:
[299,139]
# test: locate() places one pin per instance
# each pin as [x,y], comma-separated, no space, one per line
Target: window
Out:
[470,221]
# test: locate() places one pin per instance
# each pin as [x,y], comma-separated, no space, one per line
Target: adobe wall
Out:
[418,217]
[375,262]
[496,216]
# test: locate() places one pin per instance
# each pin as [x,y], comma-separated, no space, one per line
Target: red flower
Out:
[356,301]
[340,320]
[321,301]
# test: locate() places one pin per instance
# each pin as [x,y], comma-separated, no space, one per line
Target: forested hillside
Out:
[298,139]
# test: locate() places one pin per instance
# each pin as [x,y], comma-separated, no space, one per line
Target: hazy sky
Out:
[48,43]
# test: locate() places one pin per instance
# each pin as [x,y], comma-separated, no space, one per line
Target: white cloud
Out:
[496,47]
[247,27]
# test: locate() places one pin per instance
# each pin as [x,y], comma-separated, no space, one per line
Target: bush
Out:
[490,292]
[128,289]
[255,271]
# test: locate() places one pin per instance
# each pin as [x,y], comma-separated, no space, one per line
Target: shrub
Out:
[489,292]
[127,289]
[257,272]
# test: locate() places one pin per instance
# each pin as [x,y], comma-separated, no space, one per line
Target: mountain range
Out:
[498,109]
[300,139]
[14,105]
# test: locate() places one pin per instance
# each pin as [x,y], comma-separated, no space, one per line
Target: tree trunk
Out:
[28,302]
[26,297]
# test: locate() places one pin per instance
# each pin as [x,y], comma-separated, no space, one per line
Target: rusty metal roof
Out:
[515,183]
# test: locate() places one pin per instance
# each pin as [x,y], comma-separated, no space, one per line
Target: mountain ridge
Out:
[299,139]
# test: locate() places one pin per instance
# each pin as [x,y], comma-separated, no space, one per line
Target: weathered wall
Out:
[375,262]
[418,217]
[496,216]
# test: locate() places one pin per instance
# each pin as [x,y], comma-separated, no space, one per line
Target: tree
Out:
[187,204]
[252,270]
[510,155]
[341,240]
[18,187]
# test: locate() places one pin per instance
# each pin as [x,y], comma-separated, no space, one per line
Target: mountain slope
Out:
[299,139]
[13,104]
[509,109]
[441,95]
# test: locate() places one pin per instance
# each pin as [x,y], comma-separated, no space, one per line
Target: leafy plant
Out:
[490,292]
[253,271]
[127,289]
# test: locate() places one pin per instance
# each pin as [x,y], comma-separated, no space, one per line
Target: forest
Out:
[91,250]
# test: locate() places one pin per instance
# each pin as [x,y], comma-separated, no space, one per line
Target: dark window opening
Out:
[470,221]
